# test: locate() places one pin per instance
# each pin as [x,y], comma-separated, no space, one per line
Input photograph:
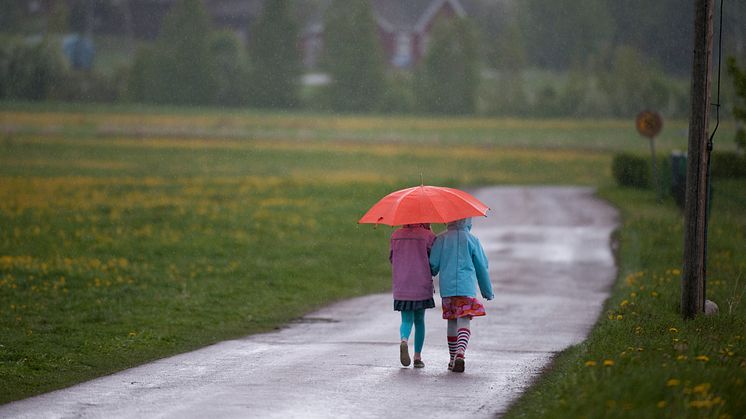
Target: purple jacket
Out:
[410,267]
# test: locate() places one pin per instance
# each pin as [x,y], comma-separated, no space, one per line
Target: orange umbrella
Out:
[424,204]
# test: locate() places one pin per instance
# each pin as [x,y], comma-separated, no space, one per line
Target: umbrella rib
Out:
[435,207]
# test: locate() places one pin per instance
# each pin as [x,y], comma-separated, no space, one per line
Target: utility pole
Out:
[698,161]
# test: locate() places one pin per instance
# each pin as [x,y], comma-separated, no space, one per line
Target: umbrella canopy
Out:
[424,204]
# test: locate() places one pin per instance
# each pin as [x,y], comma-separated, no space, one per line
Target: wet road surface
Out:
[551,266]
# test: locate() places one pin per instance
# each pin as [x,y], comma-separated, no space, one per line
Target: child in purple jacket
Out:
[412,285]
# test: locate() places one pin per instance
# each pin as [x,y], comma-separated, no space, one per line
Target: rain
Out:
[368,208]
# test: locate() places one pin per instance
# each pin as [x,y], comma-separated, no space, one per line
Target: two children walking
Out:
[456,254]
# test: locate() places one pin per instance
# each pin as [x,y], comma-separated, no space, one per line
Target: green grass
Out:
[180,228]
[96,121]
[121,249]
[661,365]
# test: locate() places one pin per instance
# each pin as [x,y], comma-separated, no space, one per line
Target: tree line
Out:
[593,57]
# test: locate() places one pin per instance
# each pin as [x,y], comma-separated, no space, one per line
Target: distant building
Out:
[404,29]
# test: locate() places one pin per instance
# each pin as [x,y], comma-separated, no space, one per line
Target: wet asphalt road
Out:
[551,266]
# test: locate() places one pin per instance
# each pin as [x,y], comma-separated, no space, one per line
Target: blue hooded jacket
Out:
[459,258]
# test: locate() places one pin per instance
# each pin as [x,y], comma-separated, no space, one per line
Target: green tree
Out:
[661,30]
[144,83]
[179,68]
[11,17]
[353,56]
[448,78]
[632,84]
[276,66]
[739,109]
[509,59]
[231,69]
[560,34]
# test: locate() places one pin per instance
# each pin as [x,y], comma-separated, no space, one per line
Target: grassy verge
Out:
[121,250]
[641,359]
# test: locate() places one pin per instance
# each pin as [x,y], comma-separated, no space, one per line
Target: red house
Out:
[403,27]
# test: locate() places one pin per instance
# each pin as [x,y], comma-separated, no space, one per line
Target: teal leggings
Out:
[416,317]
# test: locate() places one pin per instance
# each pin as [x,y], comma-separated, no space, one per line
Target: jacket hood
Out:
[462,224]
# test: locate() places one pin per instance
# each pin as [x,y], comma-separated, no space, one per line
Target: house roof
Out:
[410,15]
[393,15]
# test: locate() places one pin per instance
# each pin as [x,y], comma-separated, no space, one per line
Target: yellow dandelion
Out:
[661,404]
[608,363]
[673,330]
[619,317]
[681,358]
[623,303]
[701,404]
[701,388]
[703,358]
[653,293]
[590,363]
[676,272]
[673,382]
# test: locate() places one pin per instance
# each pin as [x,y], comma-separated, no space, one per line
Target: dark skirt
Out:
[406,305]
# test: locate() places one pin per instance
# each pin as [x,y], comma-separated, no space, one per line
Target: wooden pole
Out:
[695,222]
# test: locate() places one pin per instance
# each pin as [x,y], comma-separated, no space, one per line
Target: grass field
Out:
[130,235]
[139,122]
[116,250]
[642,359]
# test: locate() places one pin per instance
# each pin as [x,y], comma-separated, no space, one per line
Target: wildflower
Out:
[623,303]
[673,382]
[700,404]
[661,404]
[608,363]
[653,293]
[673,330]
[701,388]
[132,334]
[681,358]
[619,317]
[703,358]
[590,363]
[676,272]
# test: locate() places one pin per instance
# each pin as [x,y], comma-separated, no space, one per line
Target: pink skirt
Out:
[455,307]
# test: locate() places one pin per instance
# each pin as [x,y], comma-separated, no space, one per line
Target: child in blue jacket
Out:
[461,262]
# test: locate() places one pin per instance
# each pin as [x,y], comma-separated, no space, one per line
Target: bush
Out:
[82,86]
[398,96]
[30,71]
[631,170]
